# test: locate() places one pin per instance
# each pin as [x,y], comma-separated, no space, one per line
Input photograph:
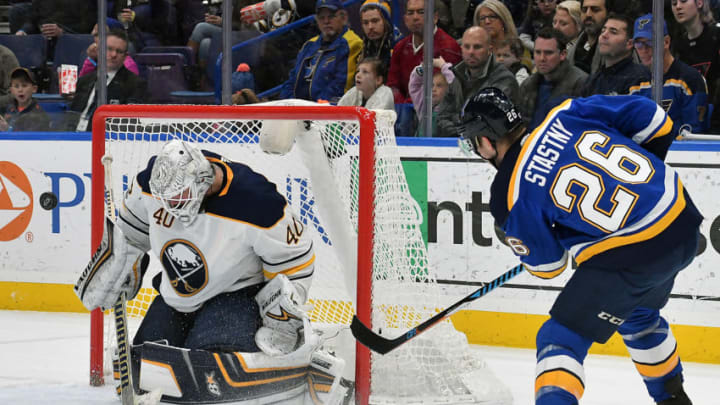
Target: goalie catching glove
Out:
[116,267]
[282,317]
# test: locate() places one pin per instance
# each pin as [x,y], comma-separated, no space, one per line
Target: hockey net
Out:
[344,178]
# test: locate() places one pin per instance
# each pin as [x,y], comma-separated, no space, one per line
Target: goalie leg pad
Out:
[197,376]
[325,383]
[282,317]
[116,267]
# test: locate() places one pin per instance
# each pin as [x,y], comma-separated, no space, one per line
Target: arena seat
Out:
[186,51]
[163,73]
[71,49]
[30,50]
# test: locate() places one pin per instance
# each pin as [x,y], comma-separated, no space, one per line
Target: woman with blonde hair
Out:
[495,17]
[568,20]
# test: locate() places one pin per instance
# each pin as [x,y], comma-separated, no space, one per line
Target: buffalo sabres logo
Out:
[185,267]
[212,385]
[284,315]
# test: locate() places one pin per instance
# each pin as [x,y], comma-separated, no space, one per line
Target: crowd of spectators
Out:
[539,52]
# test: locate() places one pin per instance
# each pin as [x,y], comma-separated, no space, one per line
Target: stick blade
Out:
[370,339]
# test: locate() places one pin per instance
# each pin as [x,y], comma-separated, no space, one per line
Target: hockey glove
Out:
[116,267]
[282,317]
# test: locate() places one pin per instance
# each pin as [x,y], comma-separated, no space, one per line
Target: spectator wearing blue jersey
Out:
[590,183]
[619,71]
[325,66]
[684,95]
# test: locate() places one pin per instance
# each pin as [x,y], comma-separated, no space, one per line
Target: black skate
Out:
[678,395]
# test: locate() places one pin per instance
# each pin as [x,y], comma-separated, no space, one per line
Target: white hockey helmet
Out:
[180,178]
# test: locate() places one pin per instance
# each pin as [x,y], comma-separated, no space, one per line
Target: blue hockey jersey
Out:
[585,182]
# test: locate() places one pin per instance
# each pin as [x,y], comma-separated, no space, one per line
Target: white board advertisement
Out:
[53,246]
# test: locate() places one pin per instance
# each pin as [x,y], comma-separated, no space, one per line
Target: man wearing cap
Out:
[23,113]
[325,66]
[408,53]
[684,94]
[379,35]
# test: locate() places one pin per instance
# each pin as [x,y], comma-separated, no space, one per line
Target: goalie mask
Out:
[489,113]
[180,178]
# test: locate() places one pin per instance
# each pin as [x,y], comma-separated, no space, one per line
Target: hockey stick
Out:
[127,394]
[381,345]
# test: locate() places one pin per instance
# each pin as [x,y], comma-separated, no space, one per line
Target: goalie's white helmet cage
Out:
[180,178]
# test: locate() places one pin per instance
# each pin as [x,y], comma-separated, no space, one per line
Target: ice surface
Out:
[44,359]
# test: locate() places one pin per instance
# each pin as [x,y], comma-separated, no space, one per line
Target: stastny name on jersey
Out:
[546,153]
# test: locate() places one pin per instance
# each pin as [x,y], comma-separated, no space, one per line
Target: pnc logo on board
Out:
[16,201]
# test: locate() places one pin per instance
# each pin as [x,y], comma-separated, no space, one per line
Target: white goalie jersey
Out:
[244,235]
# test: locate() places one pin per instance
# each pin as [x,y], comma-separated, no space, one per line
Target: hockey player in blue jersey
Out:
[590,183]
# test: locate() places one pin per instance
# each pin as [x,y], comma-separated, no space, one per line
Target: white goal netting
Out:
[321,178]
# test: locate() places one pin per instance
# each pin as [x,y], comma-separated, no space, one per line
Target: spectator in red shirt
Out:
[408,53]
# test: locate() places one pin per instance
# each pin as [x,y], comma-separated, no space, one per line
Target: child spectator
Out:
[23,113]
[242,78]
[539,15]
[442,77]
[369,90]
[509,52]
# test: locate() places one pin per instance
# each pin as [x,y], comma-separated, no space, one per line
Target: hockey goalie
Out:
[228,324]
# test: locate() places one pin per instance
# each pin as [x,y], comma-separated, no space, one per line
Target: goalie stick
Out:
[127,394]
[381,345]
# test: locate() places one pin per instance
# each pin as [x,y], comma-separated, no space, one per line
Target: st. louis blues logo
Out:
[184,266]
